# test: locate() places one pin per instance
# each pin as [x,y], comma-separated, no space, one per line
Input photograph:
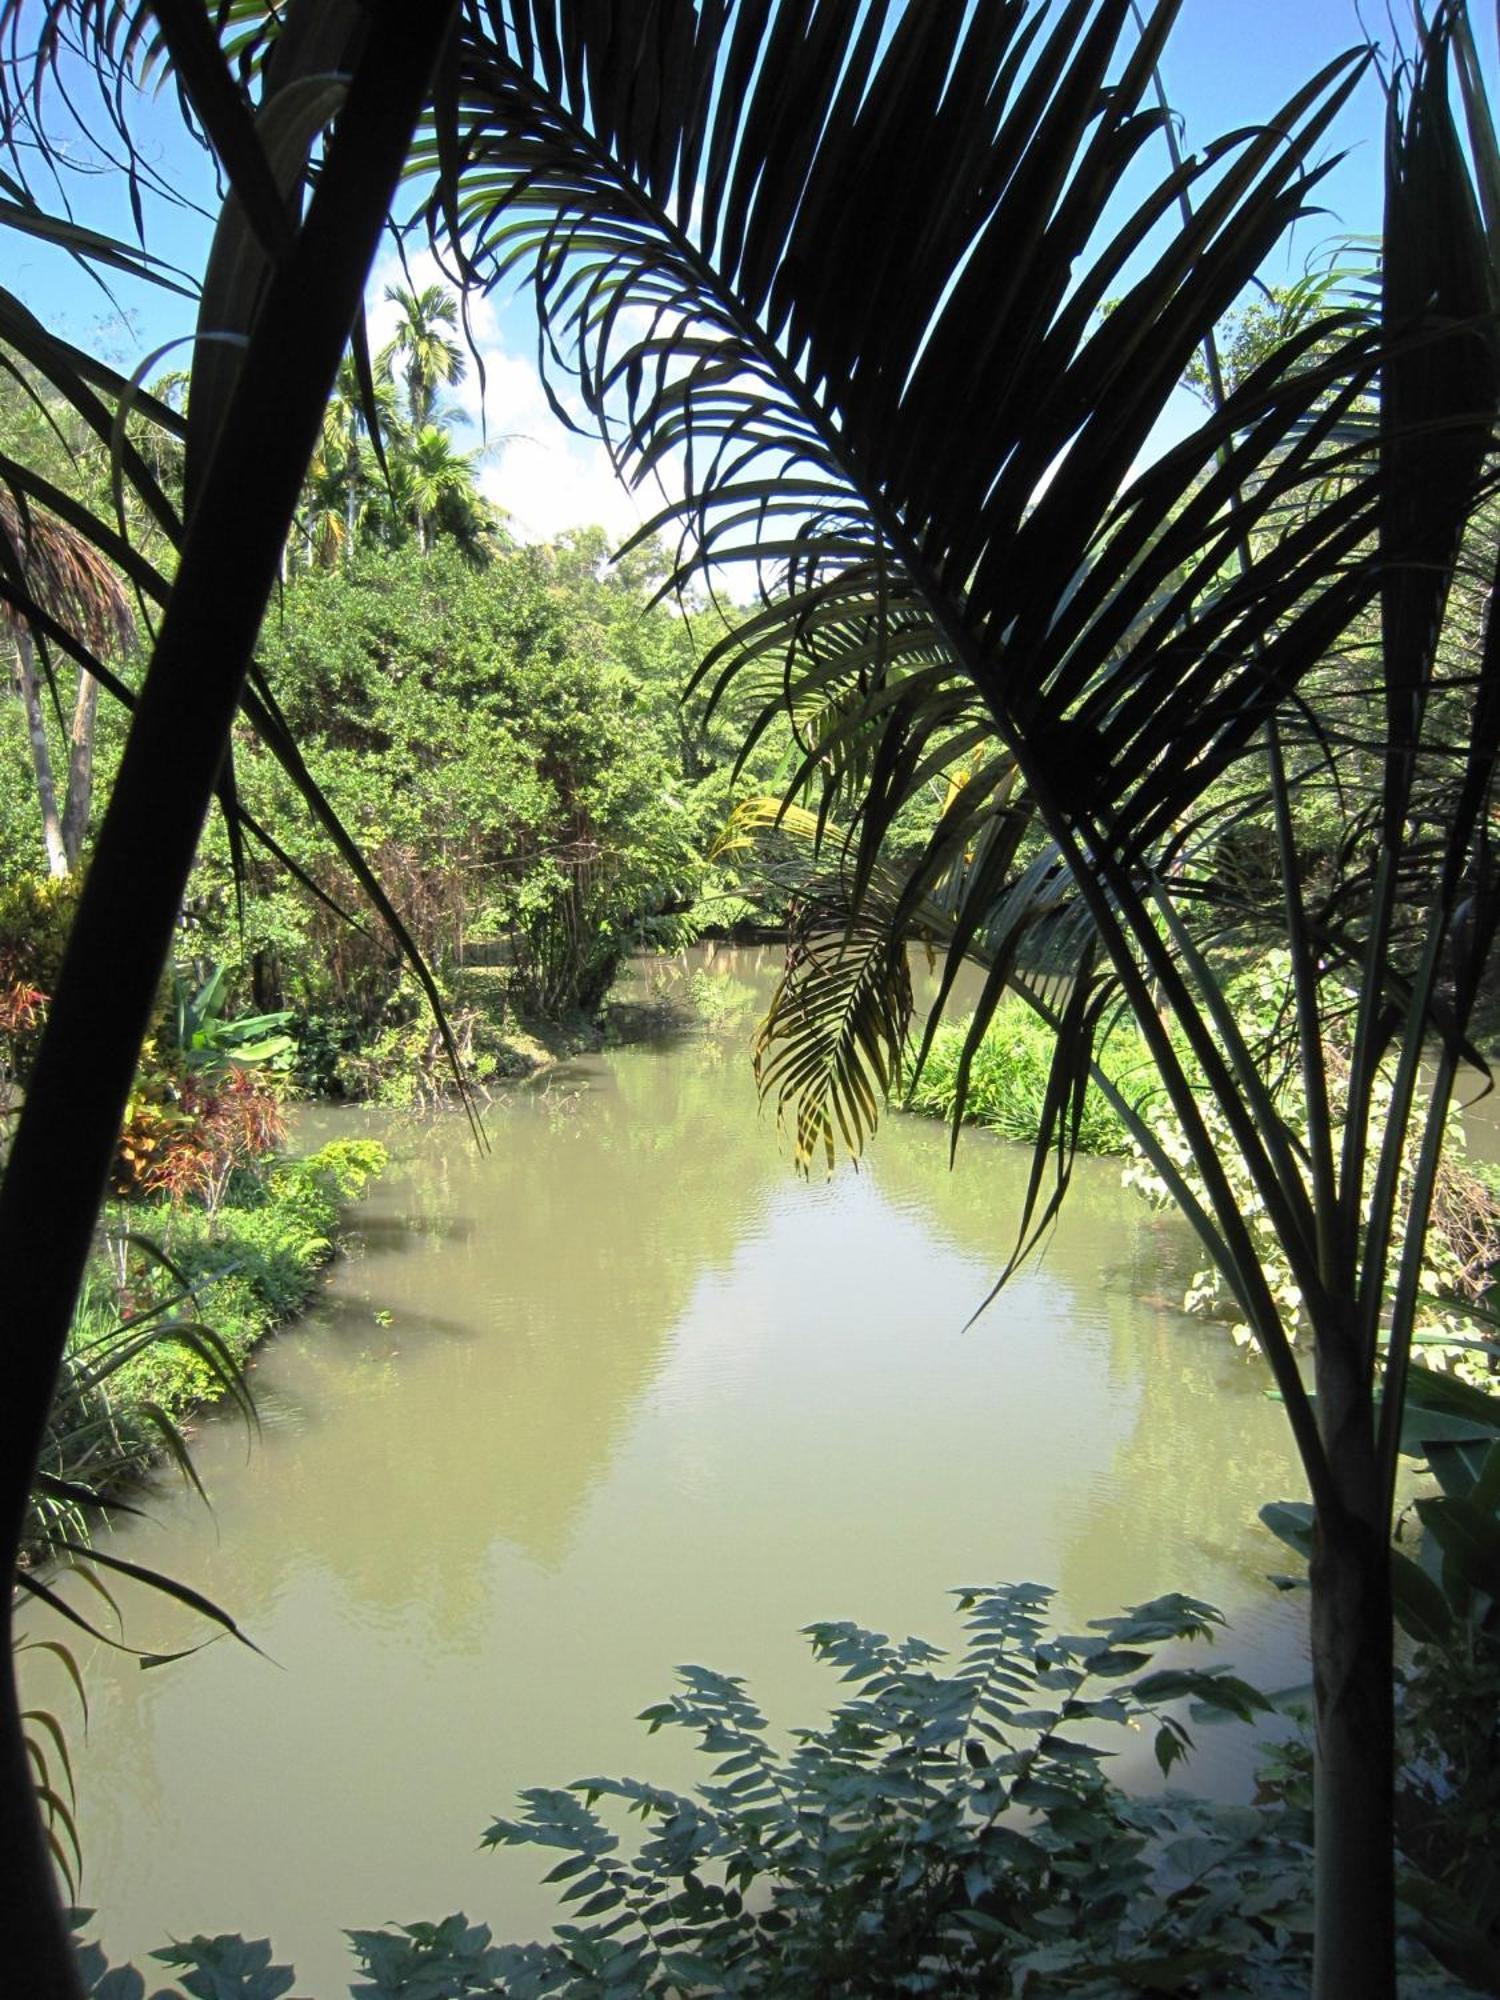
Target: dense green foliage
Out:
[500,728]
[1008,1075]
[507,746]
[251,1264]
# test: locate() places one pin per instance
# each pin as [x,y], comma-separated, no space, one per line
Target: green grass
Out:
[1008,1080]
[170,1333]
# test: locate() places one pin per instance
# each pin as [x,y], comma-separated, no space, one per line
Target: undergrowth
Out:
[1007,1084]
[949,1830]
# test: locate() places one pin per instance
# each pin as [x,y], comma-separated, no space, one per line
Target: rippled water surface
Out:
[618,1394]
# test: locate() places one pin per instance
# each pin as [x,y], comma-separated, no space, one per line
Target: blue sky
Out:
[1230,63]
[1235,61]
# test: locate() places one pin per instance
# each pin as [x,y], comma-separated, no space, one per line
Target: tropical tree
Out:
[341,487]
[837,274]
[434,483]
[74,591]
[376,477]
[423,348]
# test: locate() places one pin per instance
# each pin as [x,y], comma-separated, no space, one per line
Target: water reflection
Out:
[618,1394]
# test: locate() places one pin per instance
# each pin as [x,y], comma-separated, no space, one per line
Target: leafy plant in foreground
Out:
[946,1828]
[949,1829]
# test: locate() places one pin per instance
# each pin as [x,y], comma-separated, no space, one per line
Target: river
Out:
[622,1392]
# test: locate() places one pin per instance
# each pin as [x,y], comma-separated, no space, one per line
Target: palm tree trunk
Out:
[80,795]
[122,931]
[1353,1670]
[351,507]
[41,756]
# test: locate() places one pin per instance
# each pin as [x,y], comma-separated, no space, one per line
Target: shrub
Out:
[1008,1079]
[948,1830]
[1462,1243]
[35,917]
[188,1131]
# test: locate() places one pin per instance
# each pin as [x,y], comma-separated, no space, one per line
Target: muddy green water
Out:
[619,1394]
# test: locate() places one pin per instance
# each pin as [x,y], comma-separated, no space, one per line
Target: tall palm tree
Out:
[418,482]
[345,489]
[434,483]
[840,271]
[423,348]
[75,591]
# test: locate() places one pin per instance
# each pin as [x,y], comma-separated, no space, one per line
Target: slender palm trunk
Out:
[351,506]
[41,755]
[1353,1671]
[79,801]
[122,932]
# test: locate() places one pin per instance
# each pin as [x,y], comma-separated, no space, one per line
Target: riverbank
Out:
[1006,1087]
[624,1316]
[182,1291]
[406,1065]
[177,1300]
[1006,1092]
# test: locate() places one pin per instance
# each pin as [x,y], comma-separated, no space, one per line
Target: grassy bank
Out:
[1007,1084]
[177,1298]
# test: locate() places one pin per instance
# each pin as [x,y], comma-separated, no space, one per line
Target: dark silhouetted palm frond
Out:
[313,149]
[883,301]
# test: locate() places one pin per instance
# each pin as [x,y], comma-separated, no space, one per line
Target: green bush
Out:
[949,1830]
[1008,1079]
[509,749]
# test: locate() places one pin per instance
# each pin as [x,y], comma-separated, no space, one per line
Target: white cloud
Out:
[546,477]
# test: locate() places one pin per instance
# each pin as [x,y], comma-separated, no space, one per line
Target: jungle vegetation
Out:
[844,273]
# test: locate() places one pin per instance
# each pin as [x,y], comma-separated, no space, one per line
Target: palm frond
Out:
[713,263]
[63,569]
[831,1044]
[757,337]
[834,280]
